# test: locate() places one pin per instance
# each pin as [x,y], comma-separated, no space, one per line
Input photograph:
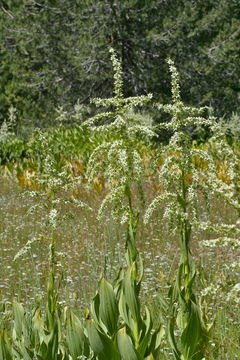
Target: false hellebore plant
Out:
[117,157]
[224,183]
[182,176]
[116,327]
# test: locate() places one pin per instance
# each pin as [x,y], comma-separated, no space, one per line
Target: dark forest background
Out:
[55,53]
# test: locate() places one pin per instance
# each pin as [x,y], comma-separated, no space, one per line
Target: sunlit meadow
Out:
[86,203]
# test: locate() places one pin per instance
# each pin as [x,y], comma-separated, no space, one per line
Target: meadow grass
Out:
[87,248]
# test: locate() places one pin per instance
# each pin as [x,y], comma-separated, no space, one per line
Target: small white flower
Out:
[52,218]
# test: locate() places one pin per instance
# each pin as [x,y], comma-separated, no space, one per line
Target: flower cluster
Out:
[185,168]
[117,158]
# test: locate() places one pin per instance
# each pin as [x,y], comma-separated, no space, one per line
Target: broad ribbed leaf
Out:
[5,349]
[130,292]
[26,354]
[148,320]
[52,344]
[128,318]
[38,332]
[156,341]
[108,308]
[192,334]
[140,270]
[131,253]
[75,337]
[125,346]
[124,311]
[145,333]
[144,344]
[19,320]
[95,309]
[118,284]
[101,344]
[171,339]
[159,337]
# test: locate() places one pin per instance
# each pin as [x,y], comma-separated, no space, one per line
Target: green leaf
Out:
[108,309]
[154,338]
[149,357]
[171,339]
[144,344]
[26,353]
[130,292]
[38,331]
[192,334]
[159,335]
[101,344]
[75,337]
[125,346]
[124,310]
[19,319]
[140,270]
[52,344]
[131,253]
[5,348]
[145,333]
[148,320]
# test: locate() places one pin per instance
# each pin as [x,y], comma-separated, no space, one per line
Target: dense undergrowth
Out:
[115,157]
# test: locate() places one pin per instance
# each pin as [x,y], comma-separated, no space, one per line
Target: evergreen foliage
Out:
[60,54]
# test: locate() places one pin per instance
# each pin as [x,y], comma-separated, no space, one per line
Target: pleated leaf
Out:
[101,344]
[192,334]
[38,332]
[130,292]
[125,346]
[5,348]
[108,308]
[19,319]
[171,339]
[75,337]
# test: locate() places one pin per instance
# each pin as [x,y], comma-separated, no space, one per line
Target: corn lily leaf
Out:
[130,292]
[192,334]
[19,320]
[108,308]
[171,339]
[75,337]
[38,332]
[103,347]
[125,346]
[5,348]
